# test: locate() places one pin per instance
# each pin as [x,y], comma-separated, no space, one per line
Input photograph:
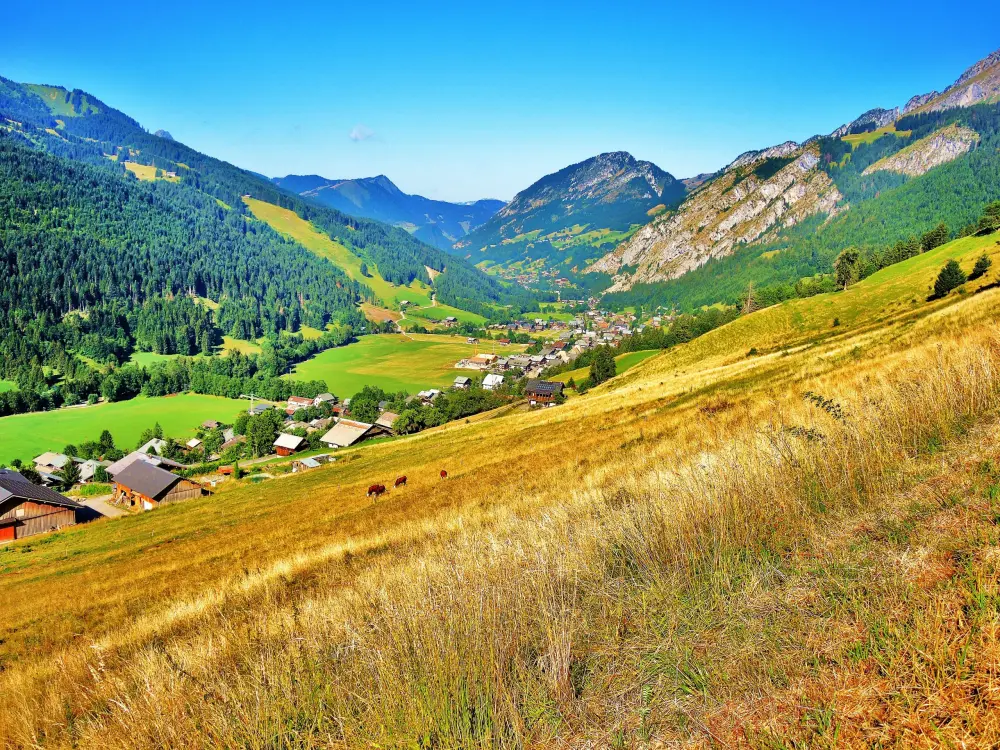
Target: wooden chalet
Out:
[542,392]
[146,486]
[386,420]
[27,509]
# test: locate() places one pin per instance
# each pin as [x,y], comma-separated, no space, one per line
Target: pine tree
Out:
[603,367]
[982,266]
[951,277]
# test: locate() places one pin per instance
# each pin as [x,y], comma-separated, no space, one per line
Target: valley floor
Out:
[794,548]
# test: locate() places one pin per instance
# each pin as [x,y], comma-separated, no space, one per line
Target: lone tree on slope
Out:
[603,366]
[951,277]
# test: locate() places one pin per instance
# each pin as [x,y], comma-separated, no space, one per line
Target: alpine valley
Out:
[631,461]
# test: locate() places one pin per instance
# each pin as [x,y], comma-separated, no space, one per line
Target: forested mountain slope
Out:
[438,223]
[111,243]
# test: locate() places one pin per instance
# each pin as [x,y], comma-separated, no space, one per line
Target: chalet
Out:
[297,402]
[521,361]
[427,397]
[542,392]
[287,444]
[386,420]
[119,466]
[51,463]
[492,381]
[503,342]
[259,409]
[348,432]
[462,382]
[324,398]
[27,509]
[192,444]
[232,443]
[153,447]
[559,345]
[210,424]
[89,468]
[450,320]
[146,486]
[320,424]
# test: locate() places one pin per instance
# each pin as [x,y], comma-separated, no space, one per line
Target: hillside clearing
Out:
[292,225]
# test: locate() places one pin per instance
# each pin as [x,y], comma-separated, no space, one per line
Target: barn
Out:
[146,486]
[27,509]
[287,444]
[348,432]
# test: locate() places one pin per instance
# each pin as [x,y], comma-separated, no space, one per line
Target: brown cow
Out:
[400,482]
[444,474]
[376,490]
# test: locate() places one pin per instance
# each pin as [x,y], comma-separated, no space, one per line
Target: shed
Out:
[192,443]
[287,444]
[462,382]
[27,509]
[146,486]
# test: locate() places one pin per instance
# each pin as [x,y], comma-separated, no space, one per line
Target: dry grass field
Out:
[796,548]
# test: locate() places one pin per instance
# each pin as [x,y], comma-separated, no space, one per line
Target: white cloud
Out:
[361,132]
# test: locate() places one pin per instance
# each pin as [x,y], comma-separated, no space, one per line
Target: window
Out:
[19,513]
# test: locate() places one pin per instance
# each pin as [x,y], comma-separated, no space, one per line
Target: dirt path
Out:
[102,506]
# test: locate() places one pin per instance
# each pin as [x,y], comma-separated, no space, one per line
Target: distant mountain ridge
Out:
[438,223]
[562,221]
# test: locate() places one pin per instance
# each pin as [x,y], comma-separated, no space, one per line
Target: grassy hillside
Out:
[391,362]
[291,225]
[795,549]
[623,362]
[25,436]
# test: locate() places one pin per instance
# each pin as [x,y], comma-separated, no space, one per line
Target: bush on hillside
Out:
[981,267]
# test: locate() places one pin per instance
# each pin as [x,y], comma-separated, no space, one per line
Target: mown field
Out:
[7,385]
[391,361]
[439,312]
[25,436]
[795,548]
[290,224]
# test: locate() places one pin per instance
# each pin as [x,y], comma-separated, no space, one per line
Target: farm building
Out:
[192,444]
[210,424]
[286,444]
[146,486]
[118,466]
[542,392]
[462,382]
[348,432]
[324,398]
[386,420]
[298,402]
[27,509]
[155,446]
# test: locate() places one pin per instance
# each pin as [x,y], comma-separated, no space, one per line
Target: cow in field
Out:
[444,474]
[376,491]
[400,482]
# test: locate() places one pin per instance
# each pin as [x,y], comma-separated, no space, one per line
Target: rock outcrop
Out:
[738,207]
[979,83]
[873,119]
[938,148]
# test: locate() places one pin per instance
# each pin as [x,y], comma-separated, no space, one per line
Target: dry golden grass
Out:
[696,553]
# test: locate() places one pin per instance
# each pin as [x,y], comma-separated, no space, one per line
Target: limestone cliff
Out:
[938,148]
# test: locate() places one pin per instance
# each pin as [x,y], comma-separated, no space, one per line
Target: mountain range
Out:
[780,213]
[438,223]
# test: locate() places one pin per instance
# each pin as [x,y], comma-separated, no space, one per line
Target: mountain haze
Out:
[438,223]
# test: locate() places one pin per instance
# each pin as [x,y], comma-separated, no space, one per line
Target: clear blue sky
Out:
[467,100]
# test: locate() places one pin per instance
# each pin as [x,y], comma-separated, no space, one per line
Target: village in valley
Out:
[271,440]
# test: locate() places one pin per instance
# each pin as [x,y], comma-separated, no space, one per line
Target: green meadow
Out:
[393,362]
[7,385]
[623,362]
[292,225]
[440,312]
[24,436]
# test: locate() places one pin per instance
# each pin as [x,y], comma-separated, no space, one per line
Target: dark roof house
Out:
[144,485]
[27,509]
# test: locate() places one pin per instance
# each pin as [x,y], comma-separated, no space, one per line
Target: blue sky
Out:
[468,100]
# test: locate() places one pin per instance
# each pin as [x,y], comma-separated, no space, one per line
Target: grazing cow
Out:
[376,490]
[400,482]
[444,474]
